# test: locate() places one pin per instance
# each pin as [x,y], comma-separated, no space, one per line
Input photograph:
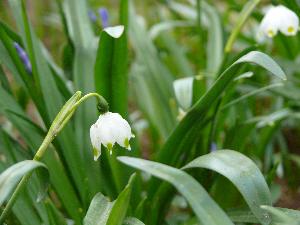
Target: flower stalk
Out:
[58,124]
[242,20]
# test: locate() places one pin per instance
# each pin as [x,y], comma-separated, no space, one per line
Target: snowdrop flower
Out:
[24,57]
[110,128]
[279,18]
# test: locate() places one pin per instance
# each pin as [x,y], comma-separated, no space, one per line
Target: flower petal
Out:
[289,21]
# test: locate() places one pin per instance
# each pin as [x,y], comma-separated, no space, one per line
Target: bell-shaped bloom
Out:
[110,128]
[279,18]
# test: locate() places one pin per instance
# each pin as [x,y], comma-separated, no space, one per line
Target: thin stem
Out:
[14,196]
[99,97]
[247,10]
[199,23]
[25,178]
[214,122]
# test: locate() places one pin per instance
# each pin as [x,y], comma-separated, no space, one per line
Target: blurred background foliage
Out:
[167,40]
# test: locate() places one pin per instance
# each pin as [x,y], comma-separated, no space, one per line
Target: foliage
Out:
[193,81]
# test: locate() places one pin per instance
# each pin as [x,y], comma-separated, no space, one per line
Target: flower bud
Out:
[24,57]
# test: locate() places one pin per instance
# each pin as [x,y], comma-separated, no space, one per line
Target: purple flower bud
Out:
[103,13]
[213,147]
[24,57]
[92,16]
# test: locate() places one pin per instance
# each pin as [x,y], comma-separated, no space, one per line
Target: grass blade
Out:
[121,204]
[282,216]
[132,221]
[98,211]
[207,211]
[199,110]
[243,173]
[10,178]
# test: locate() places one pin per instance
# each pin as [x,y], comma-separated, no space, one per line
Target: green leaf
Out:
[282,216]
[110,69]
[132,221]
[111,79]
[3,80]
[102,211]
[148,74]
[271,119]
[243,173]
[10,178]
[199,111]
[183,89]
[85,43]
[119,209]
[50,96]
[55,217]
[242,216]
[252,93]
[32,135]
[244,15]
[207,211]
[214,48]
[209,19]
[158,28]
[98,211]
[262,60]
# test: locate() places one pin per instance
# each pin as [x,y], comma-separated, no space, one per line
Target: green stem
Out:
[59,122]
[102,102]
[199,23]
[247,10]
[25,179]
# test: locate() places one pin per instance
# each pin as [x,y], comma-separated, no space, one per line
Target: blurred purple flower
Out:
[24,57]
[92,16]
[103,13]
[213,147]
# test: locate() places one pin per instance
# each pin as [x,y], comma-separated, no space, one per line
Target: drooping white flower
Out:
[279,18]
[110,128]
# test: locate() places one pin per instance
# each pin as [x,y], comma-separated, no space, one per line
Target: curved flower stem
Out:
[59,122]
[247,10]
[102,102]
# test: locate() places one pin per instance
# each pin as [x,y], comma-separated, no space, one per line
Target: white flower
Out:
[110,128]
[279,18]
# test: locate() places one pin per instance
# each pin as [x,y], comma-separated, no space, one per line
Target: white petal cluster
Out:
[279,18]
[110,128]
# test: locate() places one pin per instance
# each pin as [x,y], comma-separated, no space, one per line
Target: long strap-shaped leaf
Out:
[98,211]
[132,221]
[283,216]
[119,209]
[207,211]
[102,211]
[243,173]
[111,81]
[199,110]
[11,176]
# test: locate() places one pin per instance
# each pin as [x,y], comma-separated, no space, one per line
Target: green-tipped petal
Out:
[96,153]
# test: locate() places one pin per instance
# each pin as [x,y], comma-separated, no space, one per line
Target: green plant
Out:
[194,96]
